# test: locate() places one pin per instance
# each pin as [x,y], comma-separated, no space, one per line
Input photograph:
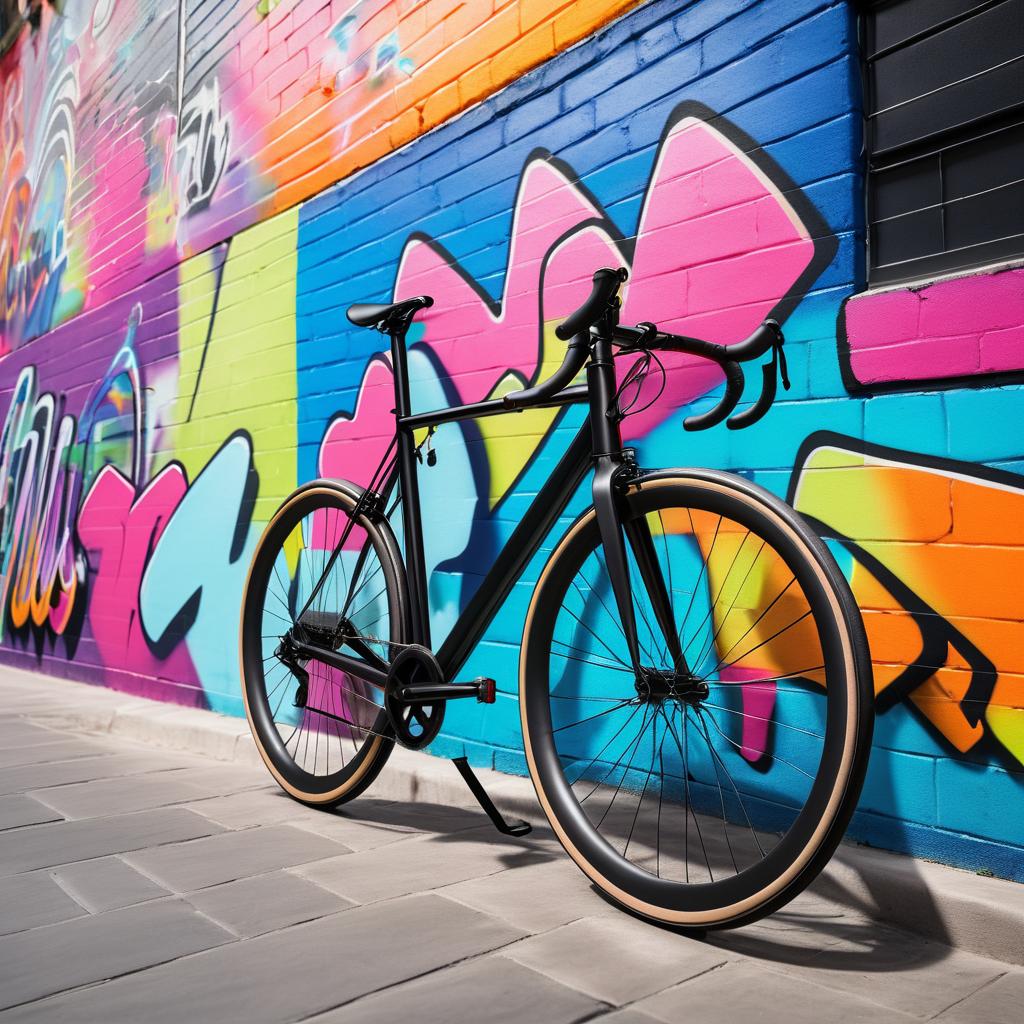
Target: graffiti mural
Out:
[113,169]
[937,588]
[88,169]
[177,251]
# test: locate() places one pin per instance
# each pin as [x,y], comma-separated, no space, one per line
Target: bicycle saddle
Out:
[372,314]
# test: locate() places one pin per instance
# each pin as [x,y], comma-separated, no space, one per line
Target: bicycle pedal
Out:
[487,690]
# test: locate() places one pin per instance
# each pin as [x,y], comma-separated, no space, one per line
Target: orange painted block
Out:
[939,700]
[464,19]
[525,53]
[893,636]
[533,12]
[1008,692]
[987,515]
[1000,640]
[442,104]
[475,84]
[405,128]
[577,20]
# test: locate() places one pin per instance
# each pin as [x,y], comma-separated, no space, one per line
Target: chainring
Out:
[415,725]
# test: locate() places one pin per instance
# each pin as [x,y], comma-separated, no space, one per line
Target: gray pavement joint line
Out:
[124,974]
[276,931]
[102,856]
[472,957]
[632,1002]
[55,878]
[469,906]
[970,995]
[220,924]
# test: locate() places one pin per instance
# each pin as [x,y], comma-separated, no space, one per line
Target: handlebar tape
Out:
[606,284]
[728,402]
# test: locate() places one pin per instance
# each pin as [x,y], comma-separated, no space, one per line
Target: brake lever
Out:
[770,372]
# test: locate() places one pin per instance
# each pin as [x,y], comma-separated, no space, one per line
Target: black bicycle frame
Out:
[598,442]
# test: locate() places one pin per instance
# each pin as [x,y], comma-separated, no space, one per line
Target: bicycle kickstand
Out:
[507,828]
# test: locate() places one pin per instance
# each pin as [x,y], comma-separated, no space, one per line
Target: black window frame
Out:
[917,225]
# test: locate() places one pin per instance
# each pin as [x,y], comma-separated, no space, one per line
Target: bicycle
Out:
[695,689]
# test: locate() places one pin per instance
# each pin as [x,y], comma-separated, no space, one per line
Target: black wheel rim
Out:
[319,746]
[616,787]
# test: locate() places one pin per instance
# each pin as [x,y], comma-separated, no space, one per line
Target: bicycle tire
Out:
[818,827]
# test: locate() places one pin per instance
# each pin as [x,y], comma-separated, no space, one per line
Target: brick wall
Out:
[167,395]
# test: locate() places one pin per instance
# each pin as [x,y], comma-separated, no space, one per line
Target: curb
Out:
[960,909]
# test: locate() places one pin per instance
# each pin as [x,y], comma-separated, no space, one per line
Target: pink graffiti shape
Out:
[718,245]
[353,447]
[476,344]
[118,530]
[950,329]
[758,706]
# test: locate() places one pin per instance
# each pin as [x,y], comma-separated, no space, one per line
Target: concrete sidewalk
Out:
[143,885]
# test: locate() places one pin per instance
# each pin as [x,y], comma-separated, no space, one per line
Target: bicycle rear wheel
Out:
[707,795]
[327,739]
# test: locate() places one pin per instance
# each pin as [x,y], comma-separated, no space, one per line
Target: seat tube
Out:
[608,466]
[412,525]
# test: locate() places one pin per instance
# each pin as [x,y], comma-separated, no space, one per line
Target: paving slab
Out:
[291,974]
[106,883]
[253,807]
[29,901]
[901,972]
[745,992]
[616,960]
[58,748]
[220,779]
[119,796]
[185,867]
[43,846]
[24,778]
[498,990]
[254,906]
[627,1016]
[16,731]
[1001,1002]
[63,956]
[18,809]
[534,897]
[422,864]
[356,835]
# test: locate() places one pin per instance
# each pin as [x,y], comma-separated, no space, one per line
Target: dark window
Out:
[945,109]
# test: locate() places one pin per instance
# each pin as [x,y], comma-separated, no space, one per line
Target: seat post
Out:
[419,612]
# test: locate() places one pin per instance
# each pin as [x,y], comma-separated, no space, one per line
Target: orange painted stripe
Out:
[461,55]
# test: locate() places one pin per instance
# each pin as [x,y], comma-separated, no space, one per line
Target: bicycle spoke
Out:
[590,718]
[739,799]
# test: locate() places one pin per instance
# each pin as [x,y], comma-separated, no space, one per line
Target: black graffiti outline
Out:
[184,619]
[938,634]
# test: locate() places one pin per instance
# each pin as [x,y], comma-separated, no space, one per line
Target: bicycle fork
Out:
[614,468]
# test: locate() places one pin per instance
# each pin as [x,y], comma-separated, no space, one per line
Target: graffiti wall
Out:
[136,133]
[182,233]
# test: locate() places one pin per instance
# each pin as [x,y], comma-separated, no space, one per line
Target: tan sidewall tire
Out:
[745,908]
[374,755]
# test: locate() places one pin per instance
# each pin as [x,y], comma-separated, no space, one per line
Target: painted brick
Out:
[250,379]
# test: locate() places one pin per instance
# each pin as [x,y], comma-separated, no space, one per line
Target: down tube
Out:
[521,546]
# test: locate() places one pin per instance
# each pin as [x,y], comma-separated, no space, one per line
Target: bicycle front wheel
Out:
[705,790]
